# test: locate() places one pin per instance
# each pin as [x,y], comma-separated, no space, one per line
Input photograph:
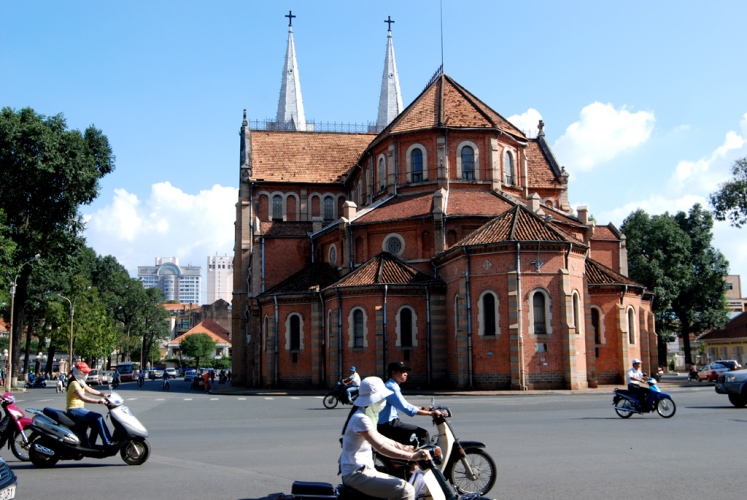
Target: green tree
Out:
[46,173]
[673,257]
[730,201]
[197,346]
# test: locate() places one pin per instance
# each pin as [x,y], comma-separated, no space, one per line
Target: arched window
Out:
[358,328]
[405,324]
[277,208]
[509,168]
[538,311]
[577,312]
[266,332]
[295,332]
[596,324]
[488,316]
[329,209]
[468,163]
[631,326]
[416,163]
[332,259]
[382,174]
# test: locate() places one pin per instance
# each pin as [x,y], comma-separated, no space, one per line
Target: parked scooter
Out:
[338,394]
[12,428]
[467,466]
[433,485]
[59,437]
[627,403]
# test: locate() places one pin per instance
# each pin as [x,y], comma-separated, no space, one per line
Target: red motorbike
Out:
[12,428]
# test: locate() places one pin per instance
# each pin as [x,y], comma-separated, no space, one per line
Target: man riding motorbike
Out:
[352,383]
[76,399]
[360,436]
[634,378]
[389,424]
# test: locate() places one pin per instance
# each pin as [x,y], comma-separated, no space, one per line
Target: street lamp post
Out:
[9,375]
[72,314]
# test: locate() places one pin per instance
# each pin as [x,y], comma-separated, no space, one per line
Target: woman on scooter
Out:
[359,435]
[76,399]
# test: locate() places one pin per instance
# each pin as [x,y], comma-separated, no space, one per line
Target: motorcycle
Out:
[468,466]
[431,485]
[141,379]
[60,385]
[338,394]
[12,428]
[37,382]
[59,437]
[115,381]
[693,375]
[166,385]
[627,403]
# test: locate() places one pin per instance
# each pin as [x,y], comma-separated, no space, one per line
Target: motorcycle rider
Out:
[359,435]
[76,399]
[389,424]
[352,383]
[634,378]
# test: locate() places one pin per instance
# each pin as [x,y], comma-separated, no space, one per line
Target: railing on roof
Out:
[313,126]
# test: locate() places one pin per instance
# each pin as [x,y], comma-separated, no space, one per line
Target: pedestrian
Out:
[228,374]
[212,377]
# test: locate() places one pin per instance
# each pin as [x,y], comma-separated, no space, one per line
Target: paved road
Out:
[545,446]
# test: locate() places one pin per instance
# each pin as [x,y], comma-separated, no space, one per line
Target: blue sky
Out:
[644,102]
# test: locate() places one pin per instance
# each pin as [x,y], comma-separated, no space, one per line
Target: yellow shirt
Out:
[73,401]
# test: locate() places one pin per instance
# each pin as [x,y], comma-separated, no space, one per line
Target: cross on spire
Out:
[389,22]
[290,17]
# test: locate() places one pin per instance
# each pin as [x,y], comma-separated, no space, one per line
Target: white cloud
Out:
[601,134]
[170,223]
[527,122]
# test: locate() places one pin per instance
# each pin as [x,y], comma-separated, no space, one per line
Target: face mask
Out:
[373,410]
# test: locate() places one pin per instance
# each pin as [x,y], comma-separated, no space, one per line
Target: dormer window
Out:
[381,171]
[509,168]
[416,162]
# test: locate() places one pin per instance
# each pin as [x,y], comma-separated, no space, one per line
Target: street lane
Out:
[545,446]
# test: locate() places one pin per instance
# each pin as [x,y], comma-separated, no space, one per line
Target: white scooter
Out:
[59,437]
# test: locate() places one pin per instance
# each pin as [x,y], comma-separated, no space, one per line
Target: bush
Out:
[222,364]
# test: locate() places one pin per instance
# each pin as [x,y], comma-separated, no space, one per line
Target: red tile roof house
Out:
[217,333]
[446,240]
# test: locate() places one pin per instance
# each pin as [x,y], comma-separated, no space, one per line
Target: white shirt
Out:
[356,451]
[355,379]
[634,376]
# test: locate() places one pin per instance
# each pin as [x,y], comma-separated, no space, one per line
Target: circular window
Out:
[394,245]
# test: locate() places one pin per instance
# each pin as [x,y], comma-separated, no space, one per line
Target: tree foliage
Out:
[197,346]
[730,201]
[46,173]
[673,257]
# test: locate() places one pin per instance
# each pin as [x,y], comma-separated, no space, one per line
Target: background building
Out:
[180,283]
[737,303]
[219,278]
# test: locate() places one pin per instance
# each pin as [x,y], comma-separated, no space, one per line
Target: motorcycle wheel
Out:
[483,468]
[623,403]
[330,401]
[666,408]
[136,451]
[16,446]
[41,460]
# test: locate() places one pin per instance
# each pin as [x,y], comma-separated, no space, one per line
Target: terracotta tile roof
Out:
[461,109]
[518,224]
[400,207]
[476,203]
[385,269]
[608,232]
[209,327]
[285,229]
[305,156]
[540,171]
[734,329]
[599,274]
[318,274]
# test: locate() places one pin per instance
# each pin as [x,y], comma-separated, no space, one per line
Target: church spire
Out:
[390,101]
[290,106]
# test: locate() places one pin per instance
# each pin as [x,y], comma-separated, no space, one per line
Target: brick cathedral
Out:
[442,236]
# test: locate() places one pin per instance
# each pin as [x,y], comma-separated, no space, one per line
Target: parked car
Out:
[107,377]
[8,481]
[93,377]
[172,372]
[189,375]
[731,364]
[711,371]
[734,384]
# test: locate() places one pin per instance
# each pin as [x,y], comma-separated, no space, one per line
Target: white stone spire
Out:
[290,105]
[390,101]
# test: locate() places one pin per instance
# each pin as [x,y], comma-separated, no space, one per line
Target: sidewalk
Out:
[667,381]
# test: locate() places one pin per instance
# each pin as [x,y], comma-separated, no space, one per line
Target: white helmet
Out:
[636,361]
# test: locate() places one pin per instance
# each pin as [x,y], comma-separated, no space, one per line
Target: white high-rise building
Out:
[219,278]
[180,283]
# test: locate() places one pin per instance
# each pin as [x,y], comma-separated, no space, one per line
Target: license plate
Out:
[8,493]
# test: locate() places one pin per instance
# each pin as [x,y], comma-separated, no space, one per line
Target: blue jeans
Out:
[93,420]
[352,389]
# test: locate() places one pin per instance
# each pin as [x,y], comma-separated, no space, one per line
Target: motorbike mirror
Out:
[414,440]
